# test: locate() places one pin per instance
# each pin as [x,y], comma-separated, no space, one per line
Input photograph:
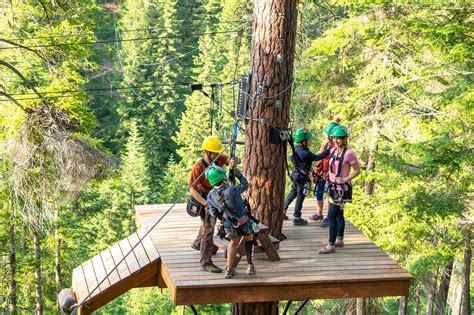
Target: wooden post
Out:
[273,46]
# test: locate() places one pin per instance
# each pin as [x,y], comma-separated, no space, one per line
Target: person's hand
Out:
[234,162]
[340,180]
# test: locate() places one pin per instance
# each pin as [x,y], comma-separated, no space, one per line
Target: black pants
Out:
[336,223]
[296,192]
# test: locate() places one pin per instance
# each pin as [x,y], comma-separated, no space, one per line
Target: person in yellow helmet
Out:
[204,242]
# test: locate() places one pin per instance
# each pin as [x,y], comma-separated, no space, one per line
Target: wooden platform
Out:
[139,269]
[360,269]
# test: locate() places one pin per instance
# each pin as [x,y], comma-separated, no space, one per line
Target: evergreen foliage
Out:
[398,73]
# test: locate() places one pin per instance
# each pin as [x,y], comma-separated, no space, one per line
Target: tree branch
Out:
[26,110]
[25,80]
[27,48]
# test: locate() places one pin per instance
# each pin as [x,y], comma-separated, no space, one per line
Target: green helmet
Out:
[302,135]
[215,175]
[330,127]
[339,131]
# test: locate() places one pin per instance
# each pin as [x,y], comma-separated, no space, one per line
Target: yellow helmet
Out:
[212,144]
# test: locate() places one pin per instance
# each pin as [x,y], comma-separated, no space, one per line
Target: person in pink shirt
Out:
[341,161]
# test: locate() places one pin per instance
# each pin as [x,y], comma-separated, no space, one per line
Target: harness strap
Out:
[334,157]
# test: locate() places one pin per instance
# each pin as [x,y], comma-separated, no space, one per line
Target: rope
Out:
[74,312]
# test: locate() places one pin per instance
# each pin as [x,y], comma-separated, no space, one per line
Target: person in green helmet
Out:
[321,173]
[341,161]
[300,173]
[226,203]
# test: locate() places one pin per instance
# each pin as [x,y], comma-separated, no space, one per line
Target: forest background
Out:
[97,115]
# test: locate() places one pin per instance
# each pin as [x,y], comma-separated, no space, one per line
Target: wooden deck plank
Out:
[131,260]
[109,265]
[149,246]
[79,283]
[91,278]
[361,268]
[122,268]
[100,272]
[139,251]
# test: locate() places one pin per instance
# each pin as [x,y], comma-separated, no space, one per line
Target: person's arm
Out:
[244,184]
[196,195]
[320,156]
[213,210]
[354,174]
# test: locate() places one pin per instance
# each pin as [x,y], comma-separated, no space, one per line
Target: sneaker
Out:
[328,249]
[211,268]
[299,221]
[315,217]
[324,223]
[193,246]
[339,243]
[251,270]
[229,274]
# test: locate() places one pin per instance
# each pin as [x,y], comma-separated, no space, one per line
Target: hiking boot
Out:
[324,222]
[328,249]
[339,243]
[299,221]
[229,274]
[193,246]
[211,268]
[315,217]
[251,270]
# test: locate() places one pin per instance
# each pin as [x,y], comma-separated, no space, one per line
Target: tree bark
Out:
[417,304]
[360,306]
[403,306]
[12,300]
[57,254]
[273,46]
[264,165]
[466,291]
[442,295]
[430,296]
[351,307]
[373,144]
[38,280]
[261,308]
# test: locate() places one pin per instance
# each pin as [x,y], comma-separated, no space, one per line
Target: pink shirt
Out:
[349,159]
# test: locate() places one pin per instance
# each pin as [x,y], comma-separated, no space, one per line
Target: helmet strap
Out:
[207,157]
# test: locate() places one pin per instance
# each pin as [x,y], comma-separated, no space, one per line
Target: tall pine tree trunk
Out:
[466,291]
[273,46]
[442,295]
[403,306]
[38,280]
[430,296]
[373,144]
[57,254]
[12,300]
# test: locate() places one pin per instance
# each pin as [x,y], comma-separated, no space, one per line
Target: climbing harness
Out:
[337,192]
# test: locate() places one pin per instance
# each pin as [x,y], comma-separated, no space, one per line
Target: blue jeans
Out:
[336,223]
[319,189]
[296,192]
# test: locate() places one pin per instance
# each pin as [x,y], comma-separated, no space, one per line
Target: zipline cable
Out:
[92,33]
[121,40]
